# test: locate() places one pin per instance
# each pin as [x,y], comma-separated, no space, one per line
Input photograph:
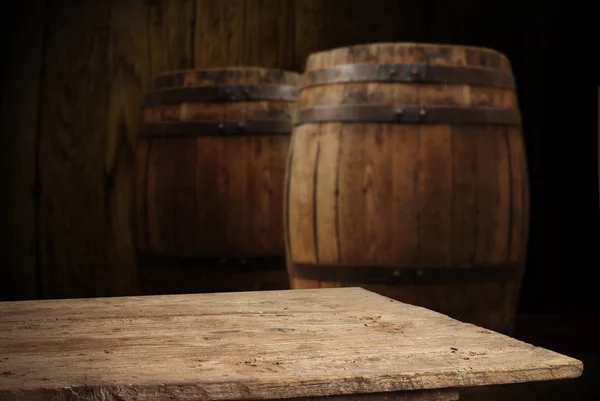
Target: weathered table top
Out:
[252,345]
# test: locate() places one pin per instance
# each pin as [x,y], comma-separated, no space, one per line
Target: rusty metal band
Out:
[222,93]
[422,73]
[275,262]
[406,275]
[408,114]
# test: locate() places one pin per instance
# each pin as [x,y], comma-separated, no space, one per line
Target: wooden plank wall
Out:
[79,70]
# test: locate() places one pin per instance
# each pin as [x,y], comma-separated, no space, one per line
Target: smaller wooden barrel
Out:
[407,176]
[210,167]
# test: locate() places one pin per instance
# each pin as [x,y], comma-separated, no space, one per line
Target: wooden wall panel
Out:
[18,138]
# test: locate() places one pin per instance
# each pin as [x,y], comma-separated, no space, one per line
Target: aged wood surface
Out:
[411,195]
[252,345]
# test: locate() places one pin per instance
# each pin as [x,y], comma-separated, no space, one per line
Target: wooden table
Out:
[343,342]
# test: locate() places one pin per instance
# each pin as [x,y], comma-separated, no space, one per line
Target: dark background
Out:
[73,74]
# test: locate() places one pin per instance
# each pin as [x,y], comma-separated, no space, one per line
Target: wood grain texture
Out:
[301,201]
[18,165]
[411,195]
[253,345]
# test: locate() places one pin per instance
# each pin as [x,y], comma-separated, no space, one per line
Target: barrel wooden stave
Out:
[202,198]
[414,195]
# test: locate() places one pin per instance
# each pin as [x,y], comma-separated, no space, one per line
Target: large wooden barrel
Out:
[407,176]
[210,179]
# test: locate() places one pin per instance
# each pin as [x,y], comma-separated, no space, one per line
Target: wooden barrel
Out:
[407,176]
[210,174]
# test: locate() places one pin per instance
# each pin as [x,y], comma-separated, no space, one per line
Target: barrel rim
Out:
[470,47]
